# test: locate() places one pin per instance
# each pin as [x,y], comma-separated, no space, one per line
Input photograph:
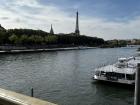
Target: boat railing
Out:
[130,65]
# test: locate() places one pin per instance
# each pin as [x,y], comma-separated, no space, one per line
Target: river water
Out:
[65,77]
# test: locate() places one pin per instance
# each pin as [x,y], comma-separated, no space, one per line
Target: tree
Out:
[27,32]
[51,39]
[14,39]
[38,39]
[24,39]
[31,39]
[2,37]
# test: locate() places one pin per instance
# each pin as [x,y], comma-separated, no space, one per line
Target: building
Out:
[77,32]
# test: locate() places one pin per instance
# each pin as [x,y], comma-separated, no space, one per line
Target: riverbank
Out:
[45,49]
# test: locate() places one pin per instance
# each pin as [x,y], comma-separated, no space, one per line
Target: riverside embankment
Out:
[12,98]
[25,50]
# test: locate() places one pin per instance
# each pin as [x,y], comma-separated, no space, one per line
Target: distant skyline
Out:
[108,19]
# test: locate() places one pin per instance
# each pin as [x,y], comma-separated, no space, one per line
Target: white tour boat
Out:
[121,72]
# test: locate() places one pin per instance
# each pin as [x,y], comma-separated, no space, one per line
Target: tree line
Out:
[120,43]
[39,37]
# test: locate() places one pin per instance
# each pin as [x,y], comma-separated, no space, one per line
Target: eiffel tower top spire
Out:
[77,32]
[51,31]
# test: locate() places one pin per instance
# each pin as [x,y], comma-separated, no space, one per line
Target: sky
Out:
[107,19]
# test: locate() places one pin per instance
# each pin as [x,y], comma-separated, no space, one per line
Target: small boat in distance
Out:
[121,72]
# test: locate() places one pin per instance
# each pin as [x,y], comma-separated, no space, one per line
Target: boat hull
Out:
[119,81]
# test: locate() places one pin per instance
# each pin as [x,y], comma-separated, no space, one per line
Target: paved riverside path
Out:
[12,98]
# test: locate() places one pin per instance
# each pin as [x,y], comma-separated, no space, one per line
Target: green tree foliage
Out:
[56,39]
[80,40]
[35,39]
[24,39]
[122,43]
[51,39]
[2,37]
[38,37]
[14,39]
[27,32]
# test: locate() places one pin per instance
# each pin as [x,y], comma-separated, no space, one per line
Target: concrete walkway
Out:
[12,98]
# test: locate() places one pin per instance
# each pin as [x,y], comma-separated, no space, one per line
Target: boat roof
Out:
[134,61]
[113,68]
[126,70]
[122,59]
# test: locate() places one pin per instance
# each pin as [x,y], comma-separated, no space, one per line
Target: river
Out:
[64,77]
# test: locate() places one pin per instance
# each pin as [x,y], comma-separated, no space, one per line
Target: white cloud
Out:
[30,3]
[32,14]
[112,30]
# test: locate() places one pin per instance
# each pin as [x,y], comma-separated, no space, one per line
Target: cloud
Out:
[30,3]
[4,18]
[112,30]
[33,14]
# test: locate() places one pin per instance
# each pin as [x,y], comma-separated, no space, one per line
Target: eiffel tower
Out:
[77,32]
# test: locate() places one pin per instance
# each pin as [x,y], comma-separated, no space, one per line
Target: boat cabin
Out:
[115,75]
[122,62]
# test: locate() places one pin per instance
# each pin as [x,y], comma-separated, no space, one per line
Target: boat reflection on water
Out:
[113,94]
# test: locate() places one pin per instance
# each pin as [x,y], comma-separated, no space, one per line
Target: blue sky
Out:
[109,9]
[108,19]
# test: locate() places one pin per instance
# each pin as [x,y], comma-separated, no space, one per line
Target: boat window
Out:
[102,73]
[120,75]
[111,74]
[121,61]
[130,76]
